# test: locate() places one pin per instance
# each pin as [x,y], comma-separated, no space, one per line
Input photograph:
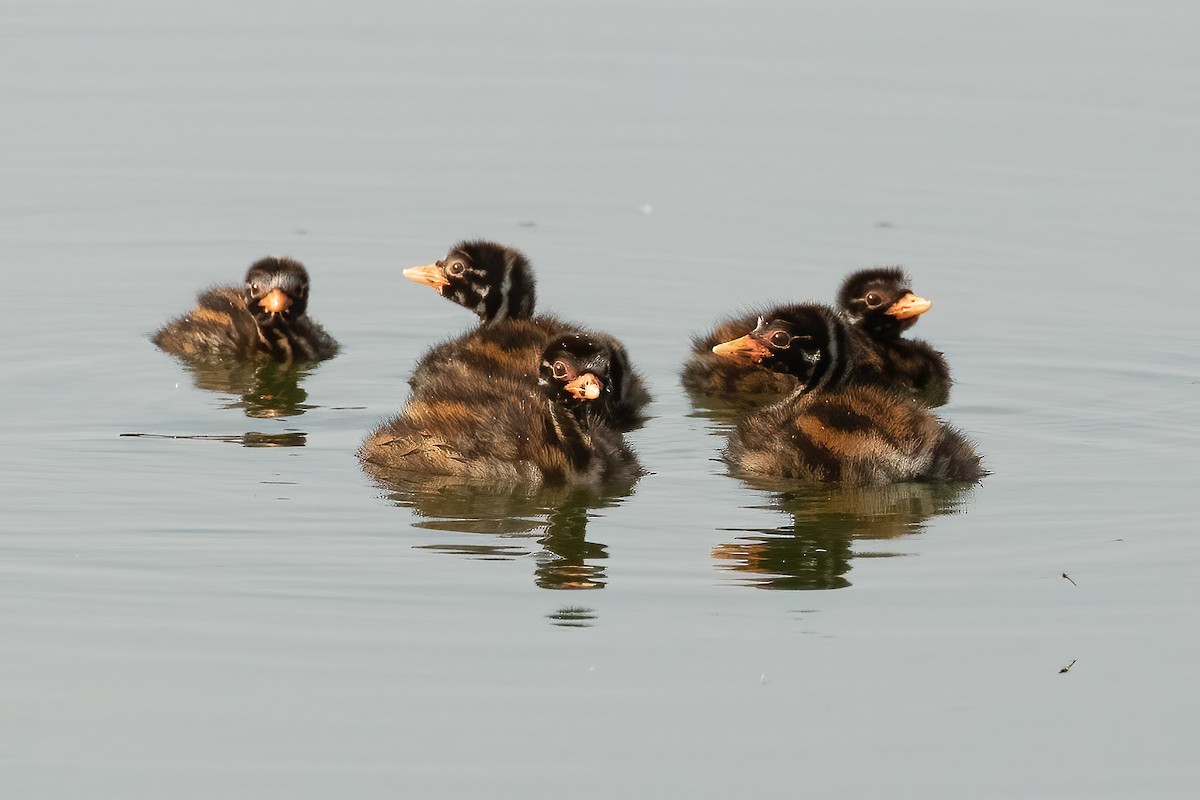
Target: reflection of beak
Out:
[586,387]
[745,349]
[430,275]
[275,301]
[909,306]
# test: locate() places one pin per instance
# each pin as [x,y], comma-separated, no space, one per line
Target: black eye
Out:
[560,370]
[874,300]
[780,339]
[253,287]
[456,268]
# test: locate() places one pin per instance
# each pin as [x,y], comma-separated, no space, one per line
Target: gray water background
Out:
[194,618]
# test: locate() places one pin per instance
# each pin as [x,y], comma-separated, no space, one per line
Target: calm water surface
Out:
[226,605]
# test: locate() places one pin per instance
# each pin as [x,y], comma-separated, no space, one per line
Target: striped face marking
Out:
[489,279]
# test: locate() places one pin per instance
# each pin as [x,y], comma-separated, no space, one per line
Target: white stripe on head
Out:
[831,337]
[505,285]
[506,282]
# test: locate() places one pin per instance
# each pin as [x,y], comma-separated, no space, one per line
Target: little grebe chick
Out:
[708,374]
[503,430]
[878,302]
[497,283]
[881,302]
[833,428]
[747,380]
[265,319]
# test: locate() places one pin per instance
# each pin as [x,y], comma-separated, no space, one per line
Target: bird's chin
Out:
[775,366]
[272,319]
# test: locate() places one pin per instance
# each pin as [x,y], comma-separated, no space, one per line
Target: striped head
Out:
[880,301]
[276,290]
[494,281]
[583,370]
[808,341]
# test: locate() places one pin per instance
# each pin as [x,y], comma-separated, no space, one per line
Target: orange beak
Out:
[909,306]
[275,301]
[430,275]
[586,387]
[746,349]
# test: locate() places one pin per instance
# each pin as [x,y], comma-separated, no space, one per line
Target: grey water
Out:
[226,605]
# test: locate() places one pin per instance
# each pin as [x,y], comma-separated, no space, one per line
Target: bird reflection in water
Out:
[815,550]
[555,518]
[265,390]
[248,439]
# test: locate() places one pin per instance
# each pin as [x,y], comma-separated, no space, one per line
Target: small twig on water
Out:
[1068,577]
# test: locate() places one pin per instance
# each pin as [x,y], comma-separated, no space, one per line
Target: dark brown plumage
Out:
[504,430]
[497,283]
[743,382]
[748,382]
[835,428]
[877,302]
[266,319]
[881,302]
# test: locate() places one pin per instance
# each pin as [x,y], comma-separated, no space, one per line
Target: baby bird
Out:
[741,380]
[497,283]
[264,320]
[833,428]
[503,430]
[747,380]
[880,302]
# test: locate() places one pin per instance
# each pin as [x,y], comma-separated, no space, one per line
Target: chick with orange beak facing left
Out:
[880,306]
[835,427]
[497,283]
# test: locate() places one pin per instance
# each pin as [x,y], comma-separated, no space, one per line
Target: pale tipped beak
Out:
[909,306]
[275,301]
[430,275]
[746,349]
[586,387]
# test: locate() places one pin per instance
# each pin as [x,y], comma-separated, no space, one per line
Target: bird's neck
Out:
[882,330]
[512,296]
[836,361]
[569,432]
[281,340]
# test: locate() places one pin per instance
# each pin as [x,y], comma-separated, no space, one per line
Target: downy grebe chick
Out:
[494,281]
[881,302]
[264,320]
[503,430]
[497,283]
[748,381]
[878,302]
[834,428]
[709,374]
